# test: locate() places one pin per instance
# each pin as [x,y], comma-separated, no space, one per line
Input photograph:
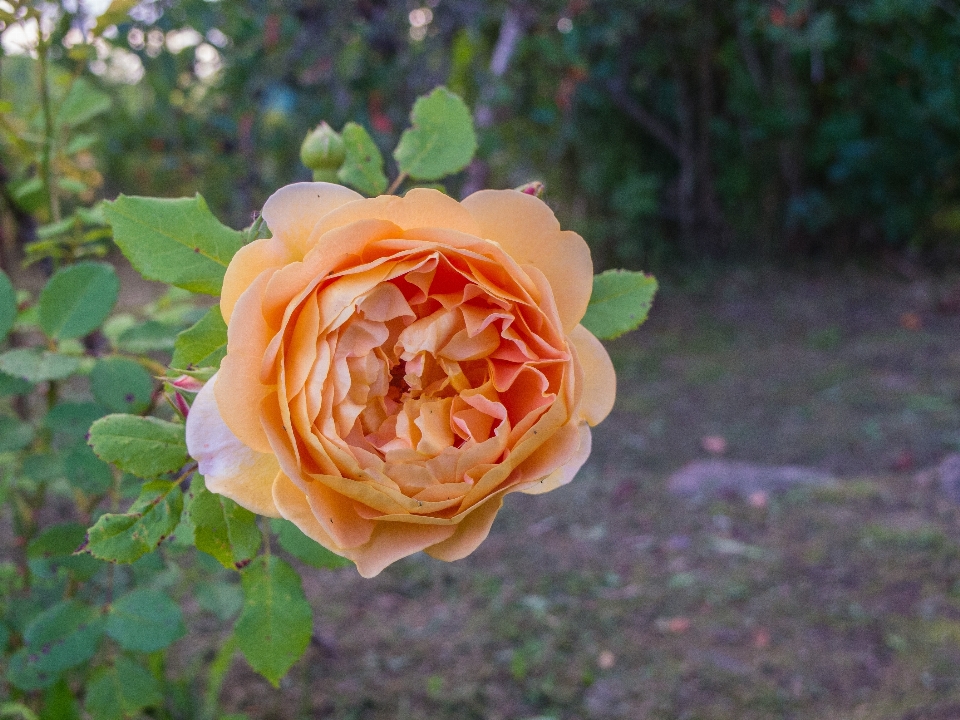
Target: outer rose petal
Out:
[600,380]
[228,466]
[293,210]
[563,475]
[527,229]
[471,531]
[246,266]
[394,540]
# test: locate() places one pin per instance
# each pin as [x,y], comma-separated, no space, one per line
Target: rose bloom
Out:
[395,366]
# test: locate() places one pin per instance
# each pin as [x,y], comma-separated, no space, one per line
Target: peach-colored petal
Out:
[250,260]
[293,506]
[239,390]
[421,207]
[564,474]
[394,540]
[228,466]
[471,531]
[600,379]
[528,230]
[293,210]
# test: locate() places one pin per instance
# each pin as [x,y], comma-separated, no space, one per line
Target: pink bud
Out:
[181,404]
[187,384]
[534,188]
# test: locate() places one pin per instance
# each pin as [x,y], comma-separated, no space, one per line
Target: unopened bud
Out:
[326,175]
[187,384]
[534,188]
[323,149]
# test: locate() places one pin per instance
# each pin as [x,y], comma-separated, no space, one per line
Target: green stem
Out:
[46,159]
[396,183]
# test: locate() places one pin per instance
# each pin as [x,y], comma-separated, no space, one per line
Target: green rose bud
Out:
[323,149]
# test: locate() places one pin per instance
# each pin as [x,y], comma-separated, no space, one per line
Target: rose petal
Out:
[228,466]
[394,540]
[250,260]
[471,531]
[600,379]
[566,473]
[292,211]
[293,506]
[527,229]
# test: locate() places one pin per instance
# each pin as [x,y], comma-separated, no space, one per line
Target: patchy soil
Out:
[613,599]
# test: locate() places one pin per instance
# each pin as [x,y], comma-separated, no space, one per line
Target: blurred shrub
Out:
[663,128]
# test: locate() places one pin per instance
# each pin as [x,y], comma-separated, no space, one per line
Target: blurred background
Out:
[768,525]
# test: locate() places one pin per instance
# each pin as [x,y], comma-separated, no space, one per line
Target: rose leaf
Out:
[144,446]
[8,305]
[619,303]
[203,344]
[442,140]
[274,628]
[122,691]
[223,529]
[363,167]
[145,620]
[77,299]
[305,549]
[177,241]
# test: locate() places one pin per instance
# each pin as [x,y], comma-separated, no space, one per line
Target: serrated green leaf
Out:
[305,549]
[145,620]
[129,536]
[34,365]
[619,303]
[144,446]
[202,345]
[77,299]
[177,241]
[122,691]
[441,141]
[14,434]
[363,168]
[274,629]
[61,637]
[8,305]
[82,103]
[222,528]
[121,385]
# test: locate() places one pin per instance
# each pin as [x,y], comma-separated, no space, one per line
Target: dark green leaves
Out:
[77,299]
[619,303]
[202,345]
[8,305]
[144,446]
[305,549]
[61,637]
[34,365]
[128,536]
[276,623]
[223,529]
[363,168]
[122,691]
[176,241]
[121,385]
[442,140]
[145,620]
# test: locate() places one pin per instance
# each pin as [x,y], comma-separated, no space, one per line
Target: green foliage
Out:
[442,140]
[144,446]
[363,167]
[274,628]
[223,529]
[122,691]
[121,385]
[202,345]
[14,434]
[77,299]
[34,365]
[145,620]
[8,305]
[128,536]
[175,241]
[82,103]
[61,637]
[619,303]
[305,549]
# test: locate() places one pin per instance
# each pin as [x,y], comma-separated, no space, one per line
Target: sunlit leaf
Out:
[363,168]
[126,537]
[441,140]
[202,345]
[222,528]
[620,302]
[144,446]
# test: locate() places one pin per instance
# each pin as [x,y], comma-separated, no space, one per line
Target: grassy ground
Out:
[613,599]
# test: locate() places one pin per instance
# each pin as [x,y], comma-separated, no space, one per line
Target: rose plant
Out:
[381,369]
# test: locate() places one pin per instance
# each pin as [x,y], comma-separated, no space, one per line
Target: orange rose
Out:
[395,366]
